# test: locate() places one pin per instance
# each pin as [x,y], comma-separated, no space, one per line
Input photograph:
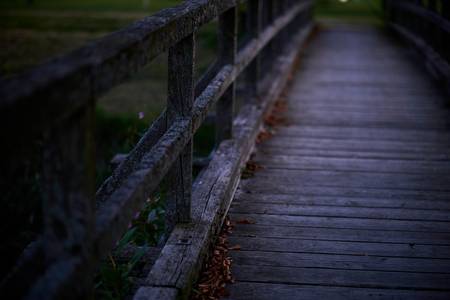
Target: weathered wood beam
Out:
[179,105]
[254,28]
[68,208]
[130,161]
[228,31]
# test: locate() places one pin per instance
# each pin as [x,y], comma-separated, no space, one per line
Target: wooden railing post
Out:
[228,31]
[432,5]
[283,6]
[446,9]
[254,28]
[179,105]
[68,201]
[269,13]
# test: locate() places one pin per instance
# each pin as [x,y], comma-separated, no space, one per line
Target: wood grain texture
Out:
[180,102]
[353,198]
[228,42]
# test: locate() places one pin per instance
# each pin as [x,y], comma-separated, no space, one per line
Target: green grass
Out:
[352,10]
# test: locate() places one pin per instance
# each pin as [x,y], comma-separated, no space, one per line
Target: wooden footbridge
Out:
[352,200]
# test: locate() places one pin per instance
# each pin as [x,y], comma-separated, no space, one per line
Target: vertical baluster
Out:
[445,12]
[179,105]
[68,195]
[435,39]
[254,28]
[446,9]
[284,34]
[416,24]
[267,21]
[425,29]
[432,5]
[392,11]
[228,31]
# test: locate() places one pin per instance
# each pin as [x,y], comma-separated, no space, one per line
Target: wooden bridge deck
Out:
[354,198]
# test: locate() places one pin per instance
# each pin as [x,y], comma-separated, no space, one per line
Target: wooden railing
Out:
[425,24]
[56,101]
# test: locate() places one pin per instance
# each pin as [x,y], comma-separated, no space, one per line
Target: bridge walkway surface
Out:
[353,198]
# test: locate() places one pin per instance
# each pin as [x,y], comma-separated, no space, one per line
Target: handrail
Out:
[57,100]
[426,25]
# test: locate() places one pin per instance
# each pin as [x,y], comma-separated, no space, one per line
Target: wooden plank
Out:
[283,162]
[361,133]
[351,153]
[270,291]
[348,278]
[155,293]
[355,77]
[358,100]
[370,122]
[355,145]
[381,115]
[323,189]
[344,262]
[365,180]
[363,93]
[391,107]
[342,247]
[372,118]
[343,212]
[343,223]
[340,201]
[360,235]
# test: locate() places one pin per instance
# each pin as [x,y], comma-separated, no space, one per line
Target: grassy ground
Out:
[366,11]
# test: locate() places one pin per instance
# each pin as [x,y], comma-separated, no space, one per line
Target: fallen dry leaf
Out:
[263,136]
[250,168]
[216,272]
